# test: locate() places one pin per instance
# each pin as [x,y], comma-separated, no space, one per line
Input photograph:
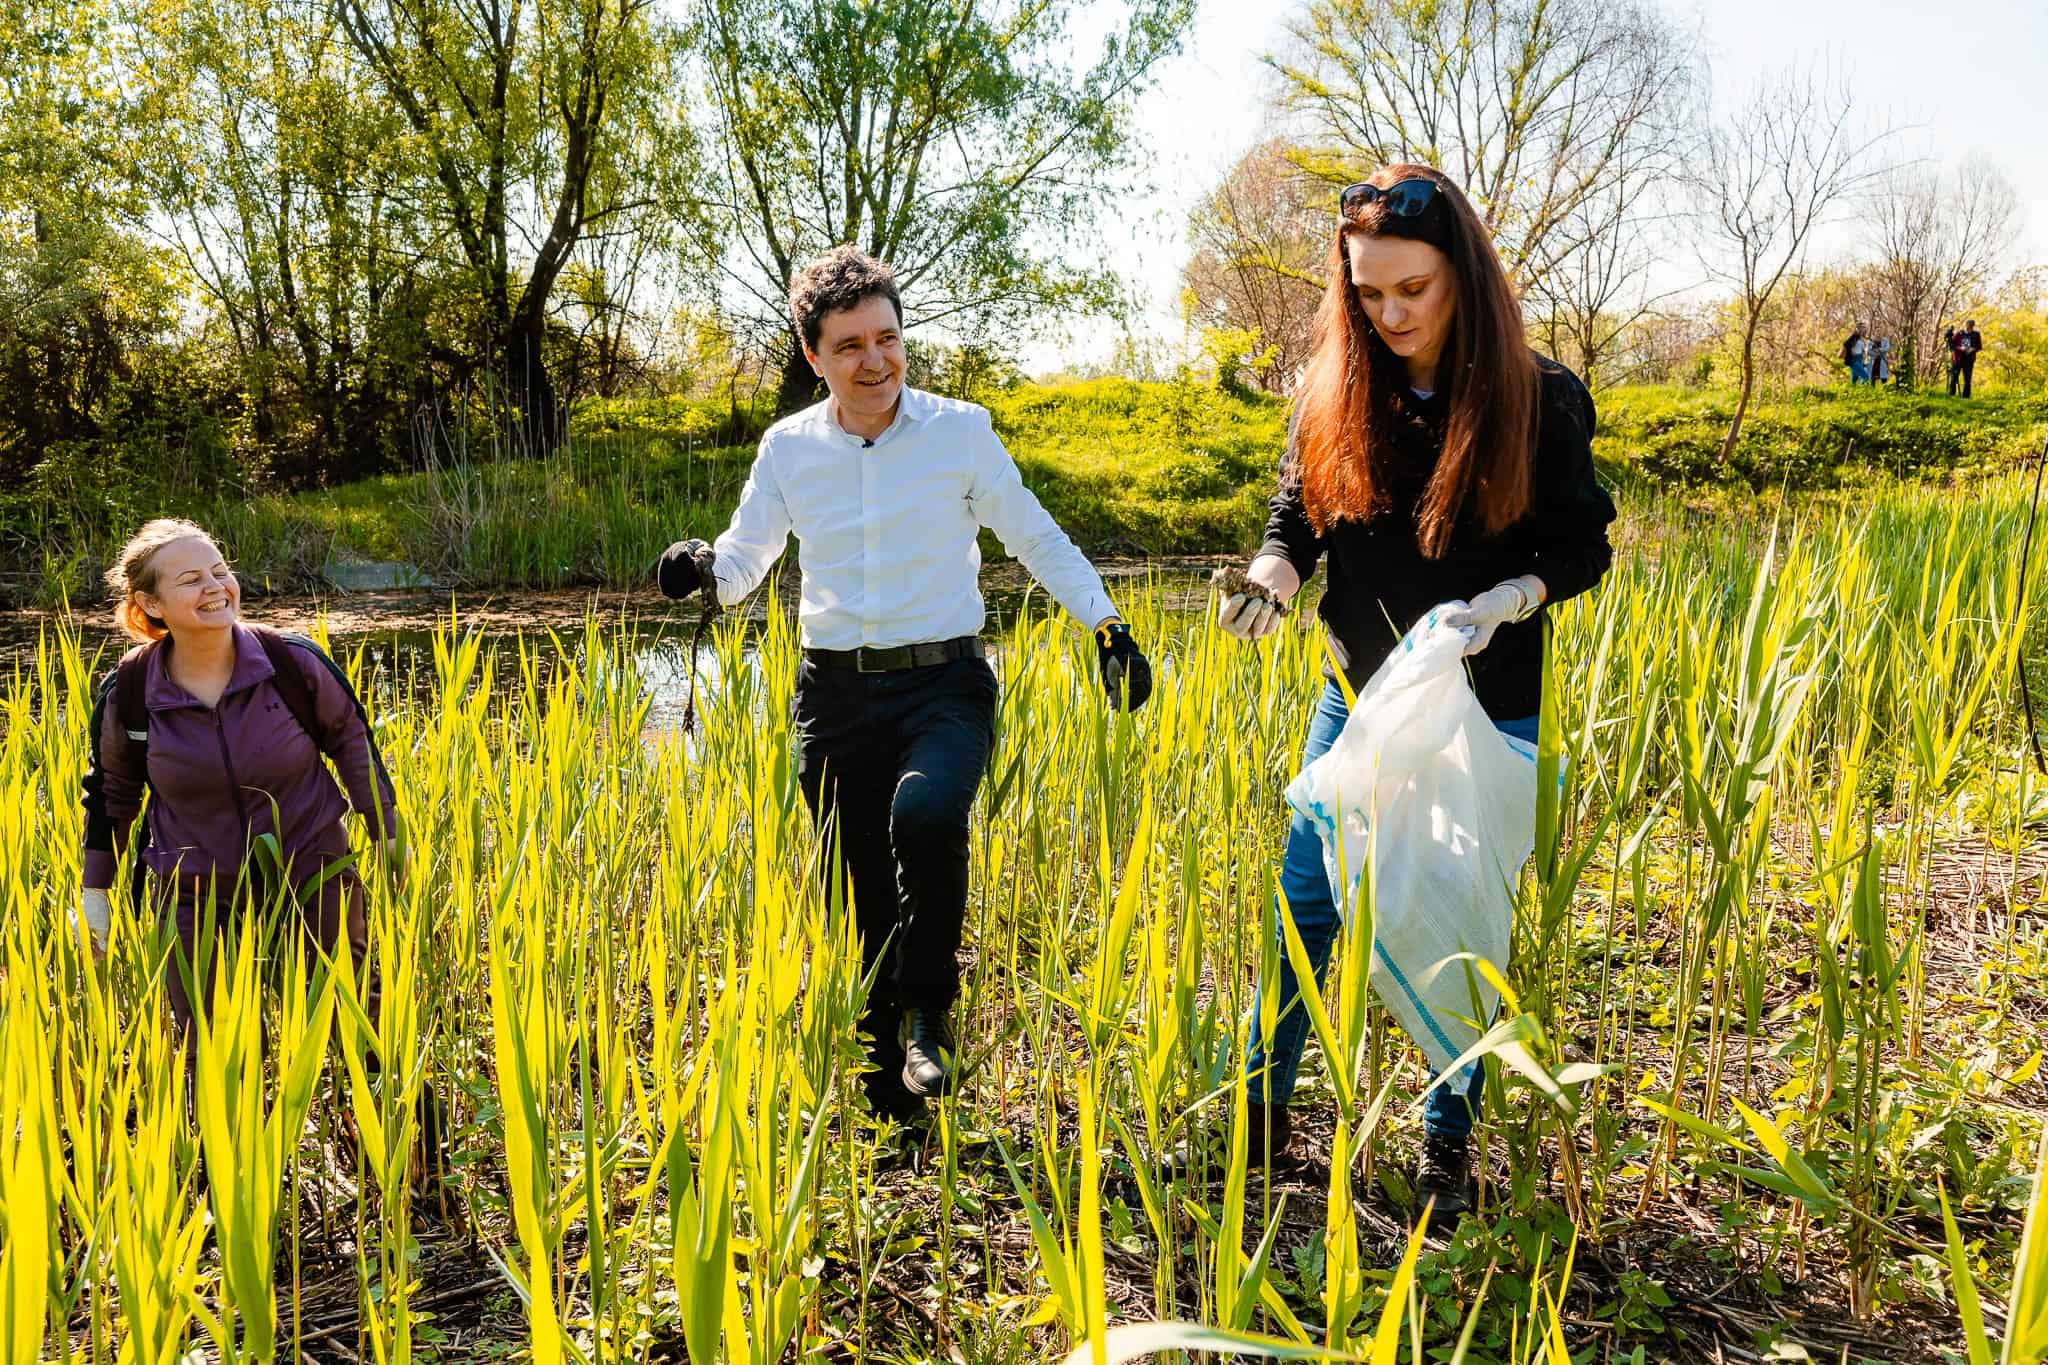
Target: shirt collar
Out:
[252,666]
[914,407]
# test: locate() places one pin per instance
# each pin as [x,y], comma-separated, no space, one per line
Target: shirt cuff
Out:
[724,594]
[1096,607]
[99,869]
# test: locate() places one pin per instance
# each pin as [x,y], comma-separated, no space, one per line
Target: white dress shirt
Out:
[888,528]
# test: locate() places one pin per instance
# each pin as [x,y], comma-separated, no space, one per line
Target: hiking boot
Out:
[429,1174]
[1267,1131]
[887,1099]
[927,1051]
[1443,1178]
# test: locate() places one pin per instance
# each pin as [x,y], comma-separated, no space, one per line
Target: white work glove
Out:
[94,913]
[1514,600]
[1248,617]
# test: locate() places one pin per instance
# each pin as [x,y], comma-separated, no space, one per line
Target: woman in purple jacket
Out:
[226,725]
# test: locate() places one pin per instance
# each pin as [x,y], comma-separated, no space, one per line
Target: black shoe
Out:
[430,1168]
[887,1099]
[882,1083]
[927,1051]
[1443,1178]
[1267,1131]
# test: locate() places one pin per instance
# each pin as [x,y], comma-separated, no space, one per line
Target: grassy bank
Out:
[1128,467]
[1768,1085]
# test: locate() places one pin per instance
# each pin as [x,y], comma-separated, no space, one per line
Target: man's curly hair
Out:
[842,278]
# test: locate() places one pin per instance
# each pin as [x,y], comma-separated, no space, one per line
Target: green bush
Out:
[704,421]
[1815,437]
[1182,467]
[1138,468]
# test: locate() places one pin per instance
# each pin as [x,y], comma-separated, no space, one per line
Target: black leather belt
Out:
[899,657]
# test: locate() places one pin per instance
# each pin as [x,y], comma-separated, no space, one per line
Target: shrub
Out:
[1816,437]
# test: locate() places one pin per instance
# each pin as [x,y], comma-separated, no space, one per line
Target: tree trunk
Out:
[532,408]
[1742,400]
[800,383]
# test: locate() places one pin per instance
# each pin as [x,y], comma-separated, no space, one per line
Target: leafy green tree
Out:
[534,125]
[953,141]
[284,183]
[81,293]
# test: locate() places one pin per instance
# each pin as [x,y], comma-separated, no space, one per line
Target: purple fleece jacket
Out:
[225,775]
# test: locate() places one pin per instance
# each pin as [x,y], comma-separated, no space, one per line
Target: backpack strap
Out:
[131,677]
[290,680]
[124,691]
[297,693]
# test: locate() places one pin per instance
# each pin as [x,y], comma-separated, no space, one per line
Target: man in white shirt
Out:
[886,488]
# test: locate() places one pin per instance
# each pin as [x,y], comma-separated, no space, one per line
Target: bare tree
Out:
[1536,107]
[1939,240]
[1667,346]
[1590,300]
[1260,239]
[1782,161]
[1799,335]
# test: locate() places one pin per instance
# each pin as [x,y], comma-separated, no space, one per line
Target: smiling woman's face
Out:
[1405,288]
[195,589]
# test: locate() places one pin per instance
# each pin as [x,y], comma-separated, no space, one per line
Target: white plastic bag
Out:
[1443,806]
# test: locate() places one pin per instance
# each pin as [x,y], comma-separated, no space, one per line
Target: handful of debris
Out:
[1234,582]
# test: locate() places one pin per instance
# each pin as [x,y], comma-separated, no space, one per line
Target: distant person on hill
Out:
[1432,458]
[1855,354]
[228,726]
[1881,361]
[1963,348]
[886,488]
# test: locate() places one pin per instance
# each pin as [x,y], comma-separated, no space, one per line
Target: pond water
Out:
[396,630]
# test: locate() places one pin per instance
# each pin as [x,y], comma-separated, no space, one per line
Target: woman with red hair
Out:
[1433,458]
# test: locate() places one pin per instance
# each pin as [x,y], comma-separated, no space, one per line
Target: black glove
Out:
[1126,676]
[684,568]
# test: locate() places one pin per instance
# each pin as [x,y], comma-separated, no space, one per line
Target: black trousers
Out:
[1959,371]
[889,764]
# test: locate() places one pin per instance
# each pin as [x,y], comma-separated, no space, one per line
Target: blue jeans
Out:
[1858,373]
[1273,1061]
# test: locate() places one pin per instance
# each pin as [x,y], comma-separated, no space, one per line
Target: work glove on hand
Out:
[1514,600]
[1126,676]
[1249,616]
[684,568]
[95,912]
[1246,607]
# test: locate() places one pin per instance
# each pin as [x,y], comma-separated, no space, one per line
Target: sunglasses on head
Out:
[1403,198]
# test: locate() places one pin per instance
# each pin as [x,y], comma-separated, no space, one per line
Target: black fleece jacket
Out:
[1380,584]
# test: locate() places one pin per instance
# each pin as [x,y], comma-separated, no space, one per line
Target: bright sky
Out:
[1959,76]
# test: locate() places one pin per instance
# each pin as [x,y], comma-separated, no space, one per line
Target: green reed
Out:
[1733,989]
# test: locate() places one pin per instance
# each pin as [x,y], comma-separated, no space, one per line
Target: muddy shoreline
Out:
[512,611]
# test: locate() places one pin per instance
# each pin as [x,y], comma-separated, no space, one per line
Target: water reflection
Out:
[399,660]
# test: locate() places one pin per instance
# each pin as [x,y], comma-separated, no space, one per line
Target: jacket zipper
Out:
[227,764]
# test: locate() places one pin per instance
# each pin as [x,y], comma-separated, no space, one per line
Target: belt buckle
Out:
[860,661]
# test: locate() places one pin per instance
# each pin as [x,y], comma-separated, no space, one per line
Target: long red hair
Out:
[1343,443]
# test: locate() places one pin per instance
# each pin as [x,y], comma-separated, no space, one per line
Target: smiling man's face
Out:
[859,355]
